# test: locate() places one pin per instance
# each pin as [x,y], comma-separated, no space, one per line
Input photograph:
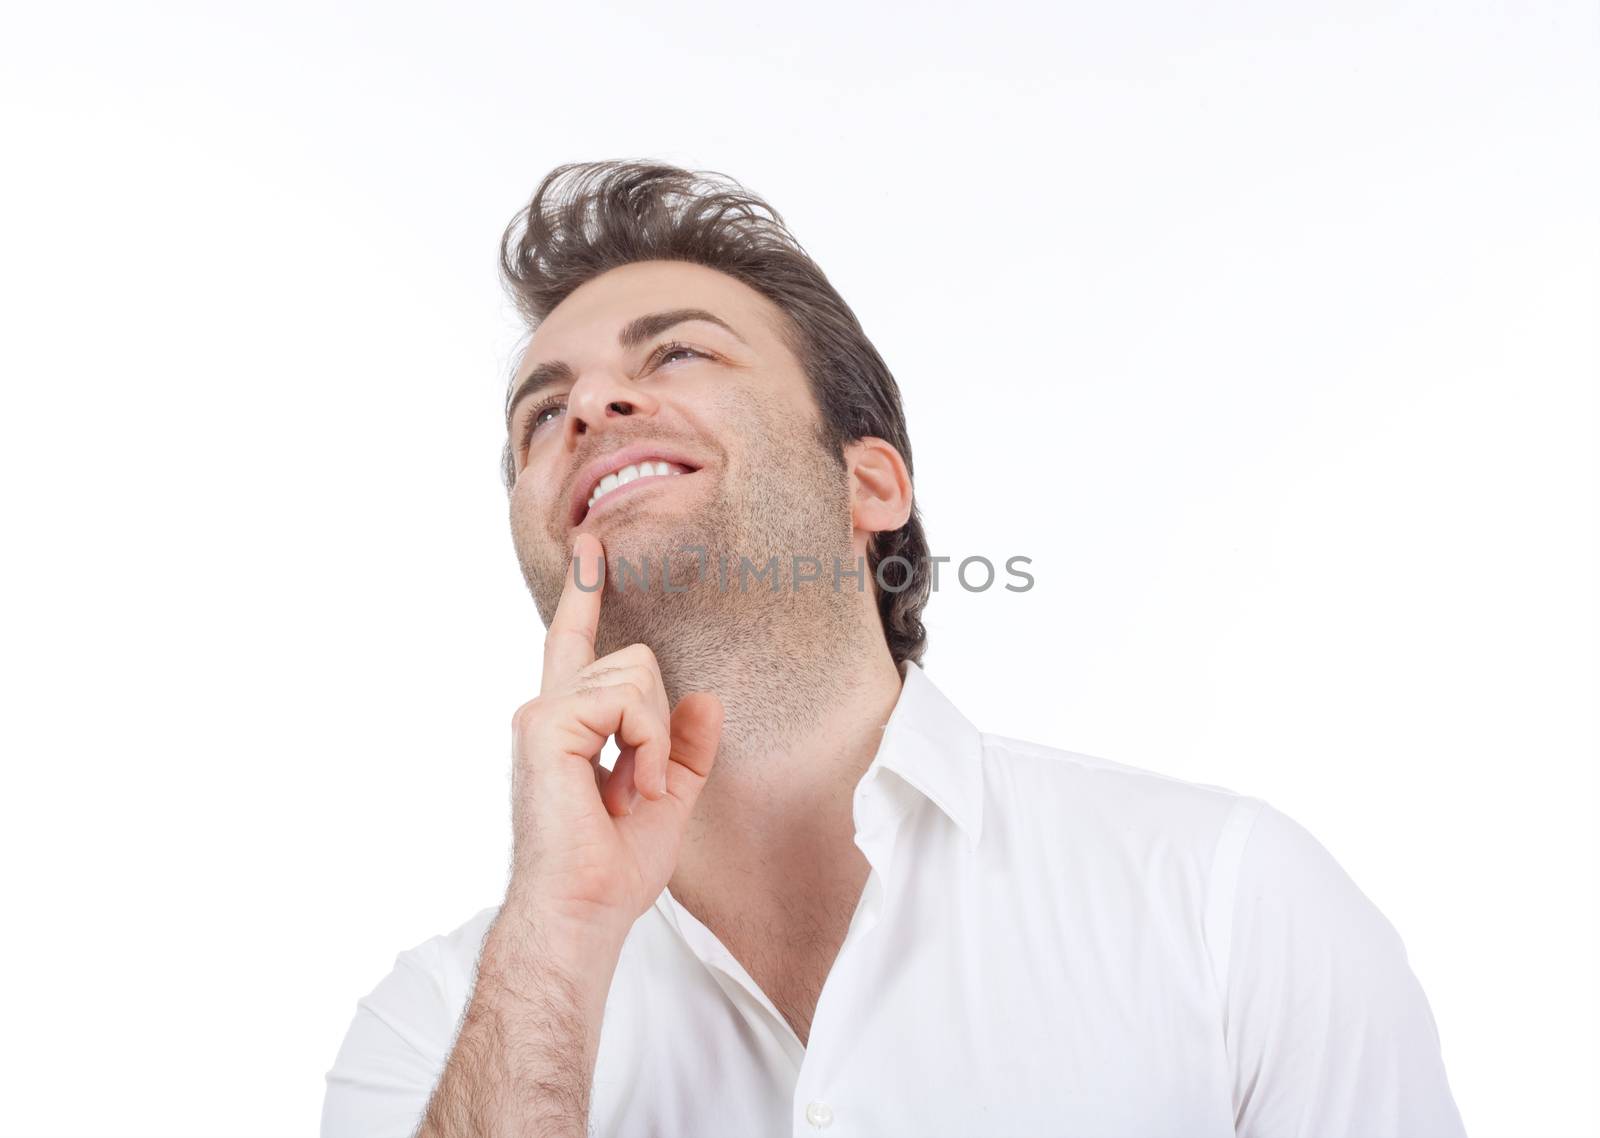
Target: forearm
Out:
[523,1061]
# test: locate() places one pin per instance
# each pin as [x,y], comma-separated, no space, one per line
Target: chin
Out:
[651,537]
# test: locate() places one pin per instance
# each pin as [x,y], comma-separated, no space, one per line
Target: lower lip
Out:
[621,491]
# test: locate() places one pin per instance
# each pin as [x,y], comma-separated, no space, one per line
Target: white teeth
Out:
[626,475]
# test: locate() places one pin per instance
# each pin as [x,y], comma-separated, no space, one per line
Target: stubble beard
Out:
[777,659]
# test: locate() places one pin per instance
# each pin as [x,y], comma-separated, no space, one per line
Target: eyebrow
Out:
[636,332]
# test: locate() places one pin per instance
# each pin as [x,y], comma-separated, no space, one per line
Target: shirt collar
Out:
[930,746]
[933,747]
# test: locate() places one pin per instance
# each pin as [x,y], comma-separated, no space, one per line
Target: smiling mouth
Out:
[646,470]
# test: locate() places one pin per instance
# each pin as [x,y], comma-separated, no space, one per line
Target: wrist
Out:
[578,939]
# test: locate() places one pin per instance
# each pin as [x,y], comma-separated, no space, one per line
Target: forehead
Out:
[584,326]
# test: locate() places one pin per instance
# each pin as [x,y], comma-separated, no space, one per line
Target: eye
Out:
[662,353]
[538,417]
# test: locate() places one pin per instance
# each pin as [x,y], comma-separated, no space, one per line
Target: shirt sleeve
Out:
[1328,1031]
[393,1052]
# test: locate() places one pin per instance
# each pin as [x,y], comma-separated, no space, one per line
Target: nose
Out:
[598,400]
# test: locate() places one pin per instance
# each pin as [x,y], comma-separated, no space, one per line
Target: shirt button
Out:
[819,1114]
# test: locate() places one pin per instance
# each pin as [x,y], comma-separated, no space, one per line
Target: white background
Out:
[1267,330]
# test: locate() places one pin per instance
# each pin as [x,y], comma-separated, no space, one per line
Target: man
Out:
[810,897]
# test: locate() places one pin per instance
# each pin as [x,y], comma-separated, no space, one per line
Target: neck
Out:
[803,718]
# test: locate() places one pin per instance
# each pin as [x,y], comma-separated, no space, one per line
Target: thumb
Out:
[696,732]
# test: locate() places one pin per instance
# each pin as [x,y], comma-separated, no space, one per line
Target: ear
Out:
[880,487]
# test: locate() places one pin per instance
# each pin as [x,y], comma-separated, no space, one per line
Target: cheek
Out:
[746,426]
[530,505]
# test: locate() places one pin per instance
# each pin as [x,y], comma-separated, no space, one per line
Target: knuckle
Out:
[635,655]
[527,715]
[648,657]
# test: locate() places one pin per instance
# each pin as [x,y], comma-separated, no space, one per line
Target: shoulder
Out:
[1291,894]
[401,1033]
[1176,845]
[1103,796]
[1268,898]
[451,958]
[1324,1017]
[429,984]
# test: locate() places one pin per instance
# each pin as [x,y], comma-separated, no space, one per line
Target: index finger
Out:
[569,644]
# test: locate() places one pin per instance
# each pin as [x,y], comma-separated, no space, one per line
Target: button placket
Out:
[879,817]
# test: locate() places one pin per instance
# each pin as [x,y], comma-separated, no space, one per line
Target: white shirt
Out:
[1047,944]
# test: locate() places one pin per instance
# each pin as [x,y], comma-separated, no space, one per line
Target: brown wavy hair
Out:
[589,217]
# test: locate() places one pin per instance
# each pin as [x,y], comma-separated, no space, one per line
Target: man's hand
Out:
[594,849]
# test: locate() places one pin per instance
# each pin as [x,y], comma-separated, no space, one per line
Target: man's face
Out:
[727,409]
